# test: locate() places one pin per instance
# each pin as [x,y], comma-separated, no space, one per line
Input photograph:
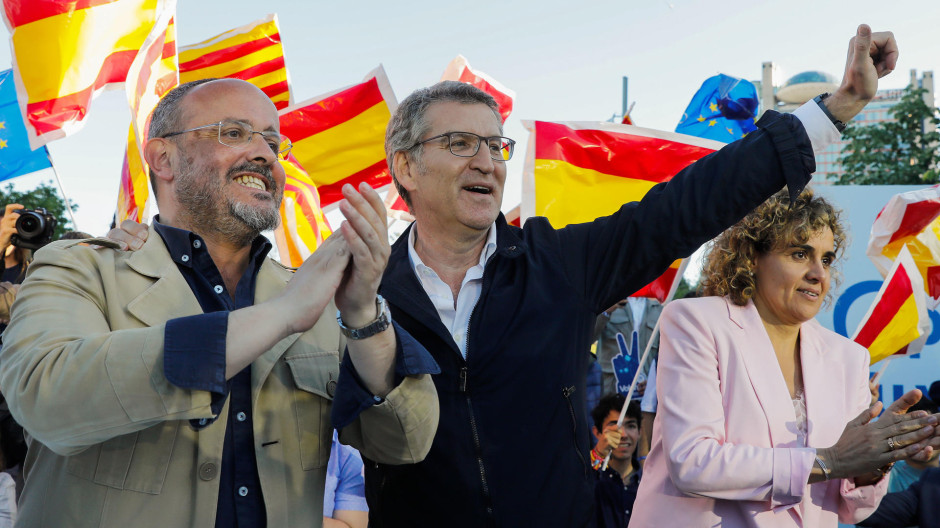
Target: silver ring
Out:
[892,445]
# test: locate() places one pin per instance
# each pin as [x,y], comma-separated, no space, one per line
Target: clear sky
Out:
[564,60]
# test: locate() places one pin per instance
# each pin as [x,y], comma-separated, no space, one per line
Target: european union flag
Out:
[16,158]
[723,109]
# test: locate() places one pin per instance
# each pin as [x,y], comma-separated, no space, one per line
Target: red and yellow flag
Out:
[910,220]
[153,73]
[577,172]
[66,51]
[251,53]
[303,225]
[340,137]
[898,316]
[459,70]
[395,206]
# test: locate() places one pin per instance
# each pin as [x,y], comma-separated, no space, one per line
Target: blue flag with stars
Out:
[723,109]
[16,158]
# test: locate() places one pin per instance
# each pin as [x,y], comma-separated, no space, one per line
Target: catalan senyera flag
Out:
[576,172]
[459,70]
[897,318]
[910,220]
[153,73]
[303,225]
[134,189]
[340,137]
[252,53]
[66,51]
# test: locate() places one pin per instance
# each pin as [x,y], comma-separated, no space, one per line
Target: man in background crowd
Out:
[616,486]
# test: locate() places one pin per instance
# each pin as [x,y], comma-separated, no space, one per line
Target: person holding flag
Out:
[768,417]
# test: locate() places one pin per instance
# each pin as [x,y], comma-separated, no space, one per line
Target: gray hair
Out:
[408,124]
[168,116]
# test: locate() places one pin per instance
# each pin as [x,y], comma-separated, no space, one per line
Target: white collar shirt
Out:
[455,316]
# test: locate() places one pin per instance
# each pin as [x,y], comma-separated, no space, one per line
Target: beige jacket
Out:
[111,446]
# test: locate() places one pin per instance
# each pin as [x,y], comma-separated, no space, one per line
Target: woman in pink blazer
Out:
[764,416]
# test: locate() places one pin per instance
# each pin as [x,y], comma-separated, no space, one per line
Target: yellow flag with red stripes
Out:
[66,51]
[911,220]
[303,225]
[340,137]
[897,321]
[153,73]
[576,172]
[252,53]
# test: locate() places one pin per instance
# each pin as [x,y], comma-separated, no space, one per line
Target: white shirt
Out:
[638,310]
[456,320]
[819,128]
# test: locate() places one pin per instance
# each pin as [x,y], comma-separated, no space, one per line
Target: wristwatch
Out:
[840,126]
[380,323]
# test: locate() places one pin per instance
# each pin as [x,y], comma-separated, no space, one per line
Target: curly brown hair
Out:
[774,224]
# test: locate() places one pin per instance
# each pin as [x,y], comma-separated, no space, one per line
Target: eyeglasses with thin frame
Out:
[236,134]
[467,144]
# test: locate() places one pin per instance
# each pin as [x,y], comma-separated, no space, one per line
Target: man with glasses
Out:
[189,383]
[508,313]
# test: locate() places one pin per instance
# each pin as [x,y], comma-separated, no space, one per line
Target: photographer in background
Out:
[15,262]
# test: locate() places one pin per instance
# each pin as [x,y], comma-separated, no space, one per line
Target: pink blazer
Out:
[725,449]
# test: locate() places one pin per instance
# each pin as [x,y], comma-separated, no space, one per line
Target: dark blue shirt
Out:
[614,498]
[194,358]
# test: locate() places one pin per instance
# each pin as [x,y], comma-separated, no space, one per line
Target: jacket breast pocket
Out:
[315,376]
[134,462]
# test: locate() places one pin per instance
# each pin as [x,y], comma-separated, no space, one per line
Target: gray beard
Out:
[255,218]
[202,209]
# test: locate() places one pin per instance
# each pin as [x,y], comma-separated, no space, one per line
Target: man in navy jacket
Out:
[508,313]
[918,505]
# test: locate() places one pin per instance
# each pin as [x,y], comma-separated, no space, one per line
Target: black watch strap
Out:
[840,126]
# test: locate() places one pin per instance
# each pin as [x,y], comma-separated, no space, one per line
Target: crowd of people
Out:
[173,375]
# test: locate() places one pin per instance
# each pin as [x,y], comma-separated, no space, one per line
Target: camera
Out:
[34,228]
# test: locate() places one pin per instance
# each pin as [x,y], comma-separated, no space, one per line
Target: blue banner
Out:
[16,158]
[723,109]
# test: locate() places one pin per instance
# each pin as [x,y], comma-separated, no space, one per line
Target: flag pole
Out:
[881,372]
[68,204]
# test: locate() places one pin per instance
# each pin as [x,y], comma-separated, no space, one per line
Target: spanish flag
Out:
[577,172]
[251,53]
[898,316]
[303,225]
[340,137]
[910,220]
[459,70]
[153,73]
[66,51]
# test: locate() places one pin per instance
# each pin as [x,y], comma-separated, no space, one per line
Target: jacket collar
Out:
[769,384]
[401,288]
[170,296]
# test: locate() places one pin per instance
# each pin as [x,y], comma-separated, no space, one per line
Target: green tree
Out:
[894,153]
[46,196]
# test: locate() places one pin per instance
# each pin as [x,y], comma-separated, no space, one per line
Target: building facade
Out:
[804,86]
